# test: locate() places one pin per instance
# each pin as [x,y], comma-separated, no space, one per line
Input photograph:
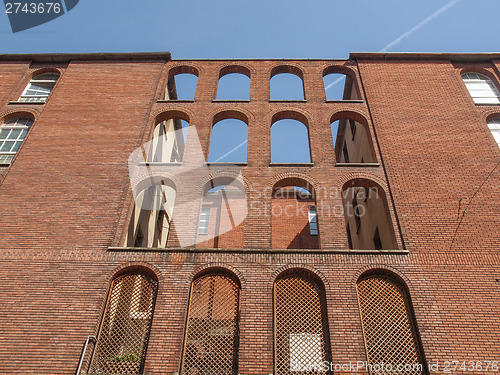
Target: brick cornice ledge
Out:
[255,251]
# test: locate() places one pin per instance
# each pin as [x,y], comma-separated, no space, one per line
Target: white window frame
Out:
[204,220]
[494,126]
[18,123]
[313,221]
[39,95]
[481,88]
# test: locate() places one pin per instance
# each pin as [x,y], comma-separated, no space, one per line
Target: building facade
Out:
[132,242]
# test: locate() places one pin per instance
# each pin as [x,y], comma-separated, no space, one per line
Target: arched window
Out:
[294,215]
[151,216]
[12,134]
[212,331]
[494,126]
[366,212]
[233,86]
[389,325]
[169,138]
[481,88]
[182,84]
[39,88]
[125,327]
[289,141]
[287,83]
[221,222]
[351,140]
[301,338]
[229,141]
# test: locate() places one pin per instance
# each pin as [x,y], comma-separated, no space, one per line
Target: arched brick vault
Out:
[484,71]
[45,70]
[233,68]
[19,112]
[381,268]
[292,114]
[291,177]
[224,177]
[298,266]
[490,114]
[159,178]
[294,69]
[216,266]
[223,114]
[181,67]
[342,69]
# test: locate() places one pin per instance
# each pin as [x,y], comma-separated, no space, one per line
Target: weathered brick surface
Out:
[66,200]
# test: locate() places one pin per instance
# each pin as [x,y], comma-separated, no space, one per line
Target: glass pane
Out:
[14,134]
[7,146]
[4,133]
[16,146]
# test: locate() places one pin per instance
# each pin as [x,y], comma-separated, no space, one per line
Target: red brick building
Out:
[381,248]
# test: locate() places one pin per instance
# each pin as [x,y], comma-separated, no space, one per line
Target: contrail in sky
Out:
[414,29]
[231,151]
[434,15]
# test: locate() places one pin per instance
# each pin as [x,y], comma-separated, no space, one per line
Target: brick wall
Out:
[65,205]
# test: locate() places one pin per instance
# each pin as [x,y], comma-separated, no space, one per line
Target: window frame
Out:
[481,79]
[7,157]
[205,220]
[313,220]
[33,98]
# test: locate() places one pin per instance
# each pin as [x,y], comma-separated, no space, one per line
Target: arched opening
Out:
[212,331]
[223,210]
[301,336]
[294,215]
[351,139]
[12,134]
[152,216]
[287,83]
[339,86]
[482,89]
[181,83]
[234,84]
[168,143]
[366,212]
[289,140]
[229,141]
[39,88]
[389,325]
[124,333]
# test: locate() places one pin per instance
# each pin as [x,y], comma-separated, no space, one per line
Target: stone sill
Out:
[25,103]
[371,165]
[291,164]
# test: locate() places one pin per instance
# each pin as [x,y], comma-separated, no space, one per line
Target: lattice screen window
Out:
[123,338]
[212,332]
[301,343]
[388,325]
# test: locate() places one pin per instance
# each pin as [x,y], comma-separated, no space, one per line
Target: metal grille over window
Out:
[388,327]
[212,332]
[12,135]
[300,333]
[39,88]
[123,338]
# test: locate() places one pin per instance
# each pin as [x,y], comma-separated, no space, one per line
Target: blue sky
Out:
[262,29]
